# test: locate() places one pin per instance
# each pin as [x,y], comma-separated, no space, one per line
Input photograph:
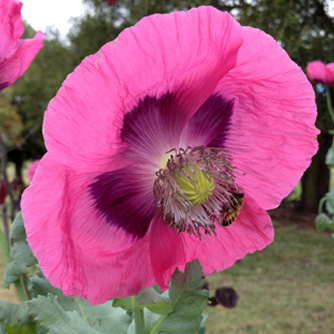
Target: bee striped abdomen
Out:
[233,211]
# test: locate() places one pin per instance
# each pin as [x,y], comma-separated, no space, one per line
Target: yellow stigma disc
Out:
[196,186]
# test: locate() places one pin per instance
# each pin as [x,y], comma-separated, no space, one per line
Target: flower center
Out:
[197,189]
[195,184]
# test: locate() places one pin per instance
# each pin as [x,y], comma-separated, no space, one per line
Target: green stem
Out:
[20,290]
[321,204]
[4,247]
[3,170]
[156,325]
[138,312]
[329,103]
[83,314]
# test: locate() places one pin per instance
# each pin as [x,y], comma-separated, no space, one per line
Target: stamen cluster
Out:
[177,209]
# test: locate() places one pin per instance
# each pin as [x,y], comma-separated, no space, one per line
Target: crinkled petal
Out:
[251,231]
[11,26]
[272,136]
[13,67]
[78,251]
[184,53]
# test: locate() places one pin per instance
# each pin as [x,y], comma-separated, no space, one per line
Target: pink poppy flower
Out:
[32,169]
[319,72]
[154,143]
[15,54]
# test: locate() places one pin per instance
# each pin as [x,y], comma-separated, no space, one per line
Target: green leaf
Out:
[188,301]
[29,328]
[14,314]
[49,312]
[155,302]
[124,303]
[161,308]
[100,317]
[330,202]
[330,157]
[2,329]
[21,255]
[202,326]
[150,296]
[322,221]
[150,319]
[105,318]
[17,231]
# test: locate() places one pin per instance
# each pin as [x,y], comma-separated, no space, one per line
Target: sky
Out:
[42,13]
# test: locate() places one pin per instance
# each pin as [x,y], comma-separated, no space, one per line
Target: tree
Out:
[39,84]
[302,27]
[305,30]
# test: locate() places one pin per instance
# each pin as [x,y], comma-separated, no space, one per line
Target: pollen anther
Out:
[196,189]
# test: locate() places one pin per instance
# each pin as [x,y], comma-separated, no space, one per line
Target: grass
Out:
[287,288]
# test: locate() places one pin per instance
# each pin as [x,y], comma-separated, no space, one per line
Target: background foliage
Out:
[302,27]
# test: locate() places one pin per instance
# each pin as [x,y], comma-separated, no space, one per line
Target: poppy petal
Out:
[13,67]
[251,231]
[74,243]
[89,108]
[272,137]
[15,55]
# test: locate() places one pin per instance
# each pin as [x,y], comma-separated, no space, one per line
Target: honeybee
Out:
[234,210]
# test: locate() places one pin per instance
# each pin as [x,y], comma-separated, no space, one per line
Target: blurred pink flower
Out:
[31,169]
[3,191]
[110,2]
[225,101]
[15,54]
[319,72]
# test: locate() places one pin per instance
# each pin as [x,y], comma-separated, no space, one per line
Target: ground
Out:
[288,288]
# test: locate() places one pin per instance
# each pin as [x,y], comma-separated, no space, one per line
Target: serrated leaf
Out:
[41,286]
[14,314]
[17,231]
[105,318]
[21,255]
[49,312]
[189,300]
[154,301]
[150,296]
[100,317]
